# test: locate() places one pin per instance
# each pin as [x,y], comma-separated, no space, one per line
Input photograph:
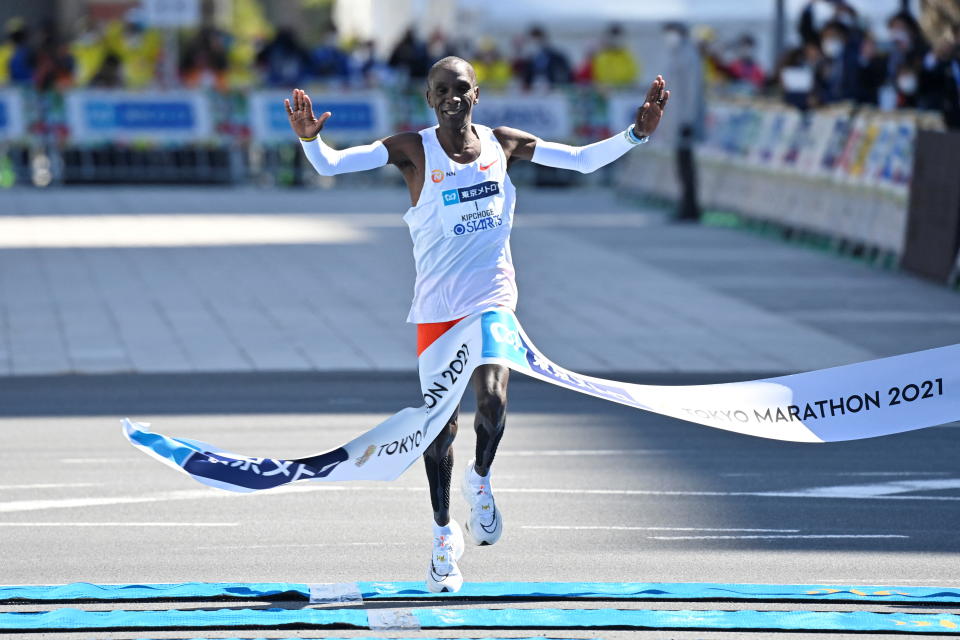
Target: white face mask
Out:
[900,36]
[672,38]
[796,79]
[907,83]
[832,47]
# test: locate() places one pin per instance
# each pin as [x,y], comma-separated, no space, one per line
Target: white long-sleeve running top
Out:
[330,162]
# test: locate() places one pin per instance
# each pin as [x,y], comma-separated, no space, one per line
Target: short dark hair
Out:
[836,25]
[451,61]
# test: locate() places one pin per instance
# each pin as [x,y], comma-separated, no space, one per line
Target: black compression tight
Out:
[490,384]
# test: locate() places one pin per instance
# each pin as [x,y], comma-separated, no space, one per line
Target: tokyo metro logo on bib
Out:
[471,193]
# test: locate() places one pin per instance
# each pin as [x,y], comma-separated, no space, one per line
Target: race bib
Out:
[474,209]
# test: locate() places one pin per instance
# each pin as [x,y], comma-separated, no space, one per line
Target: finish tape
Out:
[855,401]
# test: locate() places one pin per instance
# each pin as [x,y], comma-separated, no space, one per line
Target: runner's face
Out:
[452,94]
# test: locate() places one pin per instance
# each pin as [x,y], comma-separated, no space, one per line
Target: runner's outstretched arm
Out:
[325,159]
[524,146]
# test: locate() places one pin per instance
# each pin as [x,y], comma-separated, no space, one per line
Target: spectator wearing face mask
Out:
[839,71]
[907,44]
[613,65]
[818,13]
[907,84]
[493,70]
[283,60]
[330,61]
[796,75]
[744,68]
[22,56]
[545,65]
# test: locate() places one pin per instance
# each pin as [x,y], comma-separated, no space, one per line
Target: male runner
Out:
[460,220]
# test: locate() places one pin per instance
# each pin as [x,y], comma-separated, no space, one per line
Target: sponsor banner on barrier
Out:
[361,116]
[856,401]
[120,116]
[12,124]
[547,115]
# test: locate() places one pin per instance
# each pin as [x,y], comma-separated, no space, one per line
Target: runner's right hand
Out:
[302,120]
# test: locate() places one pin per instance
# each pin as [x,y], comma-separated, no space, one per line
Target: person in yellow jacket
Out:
[493,70]
[141,52]
[89,50]
[614,66]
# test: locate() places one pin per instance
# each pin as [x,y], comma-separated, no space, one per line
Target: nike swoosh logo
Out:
[490,528]
[484,168]
[439,577]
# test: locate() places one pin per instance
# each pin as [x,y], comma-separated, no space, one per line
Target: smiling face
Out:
[452,91]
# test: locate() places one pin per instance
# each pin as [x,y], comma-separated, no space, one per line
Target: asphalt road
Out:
[588,491]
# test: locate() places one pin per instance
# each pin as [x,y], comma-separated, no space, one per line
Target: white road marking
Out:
[71,503]
[759,494]
[813,536]
[863,492]
[57,485]
[876,490]
[164,230]
[616,528]
[97,460]
[119,524]
[306,546]
[752,474]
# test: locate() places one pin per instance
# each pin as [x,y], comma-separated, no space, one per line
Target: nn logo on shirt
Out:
[471,193]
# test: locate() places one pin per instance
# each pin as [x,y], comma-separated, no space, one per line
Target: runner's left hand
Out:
[648,116]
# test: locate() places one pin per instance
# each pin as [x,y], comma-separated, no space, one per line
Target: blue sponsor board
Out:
[103,114]
[501,338]
[471,193]
[4,117]
[96,115]
[547,116]
[347,116]
[357,116]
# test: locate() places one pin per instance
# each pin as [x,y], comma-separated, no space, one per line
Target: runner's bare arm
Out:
[525,146]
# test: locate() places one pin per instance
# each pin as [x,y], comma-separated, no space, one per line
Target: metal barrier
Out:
[841,174]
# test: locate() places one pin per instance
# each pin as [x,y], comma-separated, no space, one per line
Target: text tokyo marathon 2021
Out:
[831,407]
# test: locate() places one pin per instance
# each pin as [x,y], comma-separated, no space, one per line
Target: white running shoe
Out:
[444,574]
[485,524]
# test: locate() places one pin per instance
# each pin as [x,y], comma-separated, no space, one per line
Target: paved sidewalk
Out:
[186,280]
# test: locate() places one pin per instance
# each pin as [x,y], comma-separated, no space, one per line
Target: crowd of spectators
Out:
[838,59]
[127,54]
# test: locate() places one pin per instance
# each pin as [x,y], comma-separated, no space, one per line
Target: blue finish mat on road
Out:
[77,620]
[558,590]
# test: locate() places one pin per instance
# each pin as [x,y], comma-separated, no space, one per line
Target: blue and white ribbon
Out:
[855,401]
